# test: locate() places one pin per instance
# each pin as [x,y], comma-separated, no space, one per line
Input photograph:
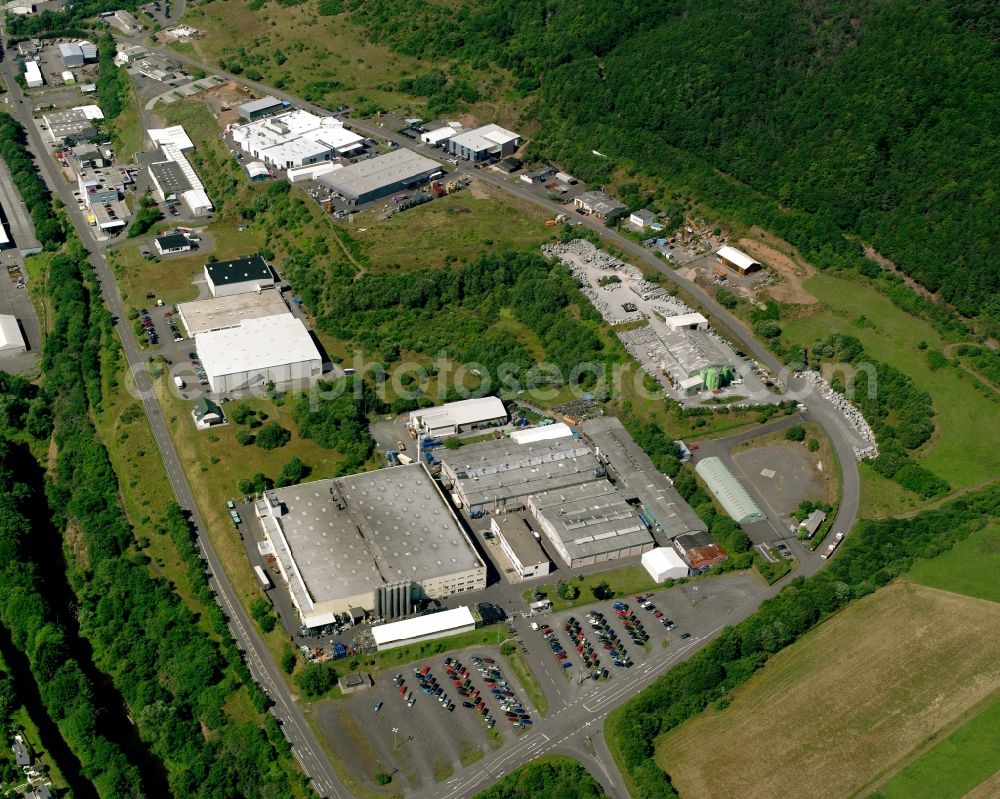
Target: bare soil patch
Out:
[792,269]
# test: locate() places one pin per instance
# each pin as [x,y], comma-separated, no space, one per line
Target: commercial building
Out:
[423,628]
[458,417]
[174,136]
[89,50]
[439,136]
[171,243]
[97,186]
[690,356]
[174,177]
[238,276]
[729,491]
[699,550]
[219,313]
[590,523]
[642,219]
[736,260]
[11,340]
[125,22]
[32,75]
[663,563]
[658,504]
[687,321]
[297,174]
[73,124]
[296,138]
[501,474]
[269,349]
[258,109]
[542,433]
[599,204]
[381,176]
[489,142]
[381,541]
[71,54]
[521,544]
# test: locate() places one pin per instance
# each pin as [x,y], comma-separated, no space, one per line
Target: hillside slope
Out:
[870,118]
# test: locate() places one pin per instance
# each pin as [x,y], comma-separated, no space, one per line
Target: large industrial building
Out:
[238,276]
[173,176]
[270,349]
[733,497]
[295,138]
[483,143]
[458,417]
[72,124]
[690,356]
[563,485]
[737,260]
[699,550]
[378,541]
[228,310]
[252,110]
[381,176]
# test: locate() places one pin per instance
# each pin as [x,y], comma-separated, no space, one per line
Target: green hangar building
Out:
[729,491]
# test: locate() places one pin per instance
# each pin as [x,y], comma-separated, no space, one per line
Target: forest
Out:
[874,554]
[828,123]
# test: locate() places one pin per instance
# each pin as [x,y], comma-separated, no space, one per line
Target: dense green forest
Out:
[875,553]
[871,119]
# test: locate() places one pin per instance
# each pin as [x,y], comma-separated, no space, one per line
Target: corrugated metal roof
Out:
[729,491]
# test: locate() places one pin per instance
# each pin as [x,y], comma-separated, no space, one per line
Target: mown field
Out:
[971,567]
[847,702]
[958,451]
[954,766]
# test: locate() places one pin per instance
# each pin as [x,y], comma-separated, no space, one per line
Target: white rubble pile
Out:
[851,414]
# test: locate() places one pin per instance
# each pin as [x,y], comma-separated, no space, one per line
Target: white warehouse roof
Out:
[485,137]
[458,413]
[736,257]
[663,563]
[422,626]
[686,320]
[557,430]
[440,134]
[11,339]
[260,343]
[175,136]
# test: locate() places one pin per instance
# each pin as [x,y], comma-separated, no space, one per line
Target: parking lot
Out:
[433,735]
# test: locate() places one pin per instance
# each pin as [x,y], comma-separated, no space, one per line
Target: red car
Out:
[658,614]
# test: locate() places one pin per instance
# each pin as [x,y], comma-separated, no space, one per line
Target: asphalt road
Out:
[573,729]
[305,745]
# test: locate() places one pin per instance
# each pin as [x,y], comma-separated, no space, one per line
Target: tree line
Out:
[34,192]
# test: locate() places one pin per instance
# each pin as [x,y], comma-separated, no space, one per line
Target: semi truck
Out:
[833,546]
[264,577]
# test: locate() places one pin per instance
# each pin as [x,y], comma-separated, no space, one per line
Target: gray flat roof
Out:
[399,166]
[686,352]
[502,469]
[515,532]
[215,313]
[391,524]
[638,477]
[259,105]
[170,176]
[592,519]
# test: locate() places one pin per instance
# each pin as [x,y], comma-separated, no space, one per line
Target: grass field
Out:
[958,451]
[522,671]
[955,765]
[623,581]
[463,224]
[848,701]
[971,567]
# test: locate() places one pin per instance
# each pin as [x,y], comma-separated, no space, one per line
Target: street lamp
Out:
[394,741]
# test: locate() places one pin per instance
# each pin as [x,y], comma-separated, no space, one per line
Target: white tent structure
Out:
[664,564]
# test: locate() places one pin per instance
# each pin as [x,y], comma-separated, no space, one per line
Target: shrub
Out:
[272,435]
[796,433]
[315,679]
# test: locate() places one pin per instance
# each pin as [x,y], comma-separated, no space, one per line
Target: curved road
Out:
[305,746]
[569,730]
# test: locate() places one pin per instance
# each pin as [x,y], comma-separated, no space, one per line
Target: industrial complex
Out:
[458,417]
[380,176]
[380,541]
[591,500]
[729,491]
[293,139]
